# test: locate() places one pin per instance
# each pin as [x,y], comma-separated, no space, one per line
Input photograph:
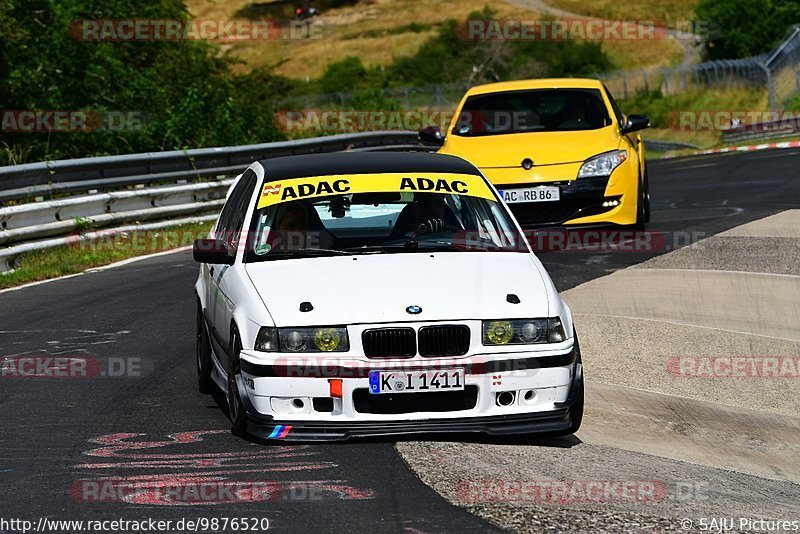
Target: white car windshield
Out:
[382,222]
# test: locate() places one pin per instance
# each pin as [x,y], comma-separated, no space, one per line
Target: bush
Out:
[448,58]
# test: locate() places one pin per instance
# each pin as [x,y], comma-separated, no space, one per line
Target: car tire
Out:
[235,407]
[204,382]
[576,411]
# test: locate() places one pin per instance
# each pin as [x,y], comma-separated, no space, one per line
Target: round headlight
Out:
[327,339]
[529,332]
[294,341]
[499,332]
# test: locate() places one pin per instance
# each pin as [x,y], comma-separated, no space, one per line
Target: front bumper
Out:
[579,199]
[581,202]
[554,421]
[552,380]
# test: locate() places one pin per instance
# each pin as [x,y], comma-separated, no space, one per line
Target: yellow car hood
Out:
[544,148]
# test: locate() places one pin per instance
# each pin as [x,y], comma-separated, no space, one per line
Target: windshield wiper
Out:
[306,253]
[374,249]
[413,244]
[408,246]
[461,247]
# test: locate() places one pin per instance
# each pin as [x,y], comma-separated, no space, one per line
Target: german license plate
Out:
[416,381]
[531,194]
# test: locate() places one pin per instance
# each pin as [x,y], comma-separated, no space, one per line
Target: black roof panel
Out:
[363,163]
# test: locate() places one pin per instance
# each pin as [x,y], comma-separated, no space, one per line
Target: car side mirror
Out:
[213,251]
[635,123]
[431,135]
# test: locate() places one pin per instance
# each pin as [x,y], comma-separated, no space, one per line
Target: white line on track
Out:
[676,323]
[636,268]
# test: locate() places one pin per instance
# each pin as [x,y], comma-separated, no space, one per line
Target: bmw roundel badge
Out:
[414,310]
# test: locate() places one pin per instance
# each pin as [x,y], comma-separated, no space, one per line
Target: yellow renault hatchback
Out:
[559,150]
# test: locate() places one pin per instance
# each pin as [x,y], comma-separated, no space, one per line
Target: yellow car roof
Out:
[540,83]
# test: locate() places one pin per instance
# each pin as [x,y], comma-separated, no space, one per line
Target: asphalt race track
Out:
[70,445]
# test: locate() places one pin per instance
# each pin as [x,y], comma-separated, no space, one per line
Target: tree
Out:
[183,92]
[742,28]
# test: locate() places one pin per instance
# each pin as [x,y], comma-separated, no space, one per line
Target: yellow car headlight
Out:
[497,332]
[602,164]
[327,339]
[523,331]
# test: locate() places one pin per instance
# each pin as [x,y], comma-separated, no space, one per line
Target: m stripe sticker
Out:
[279,432]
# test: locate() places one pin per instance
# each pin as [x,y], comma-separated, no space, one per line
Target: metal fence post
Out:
[771,88]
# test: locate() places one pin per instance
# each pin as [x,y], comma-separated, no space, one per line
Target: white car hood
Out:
[378,288]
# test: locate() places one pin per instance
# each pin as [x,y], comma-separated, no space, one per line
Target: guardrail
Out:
[66,197]
[762,131]
[666,146]
[76,175]
[58,217]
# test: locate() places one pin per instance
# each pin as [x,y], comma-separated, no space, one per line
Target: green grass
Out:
[664,112]
[664,12]
[76,258]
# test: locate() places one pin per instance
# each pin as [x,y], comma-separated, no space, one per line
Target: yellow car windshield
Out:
[536,110]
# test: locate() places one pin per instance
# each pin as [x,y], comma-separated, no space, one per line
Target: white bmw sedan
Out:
[363,294]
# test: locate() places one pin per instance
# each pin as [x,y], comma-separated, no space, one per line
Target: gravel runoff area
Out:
[511,484]
[735,295]
[719,447]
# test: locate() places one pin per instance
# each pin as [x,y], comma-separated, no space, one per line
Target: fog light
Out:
[505,398]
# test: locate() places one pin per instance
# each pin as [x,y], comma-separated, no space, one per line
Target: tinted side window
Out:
[235,210]
[229,207]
